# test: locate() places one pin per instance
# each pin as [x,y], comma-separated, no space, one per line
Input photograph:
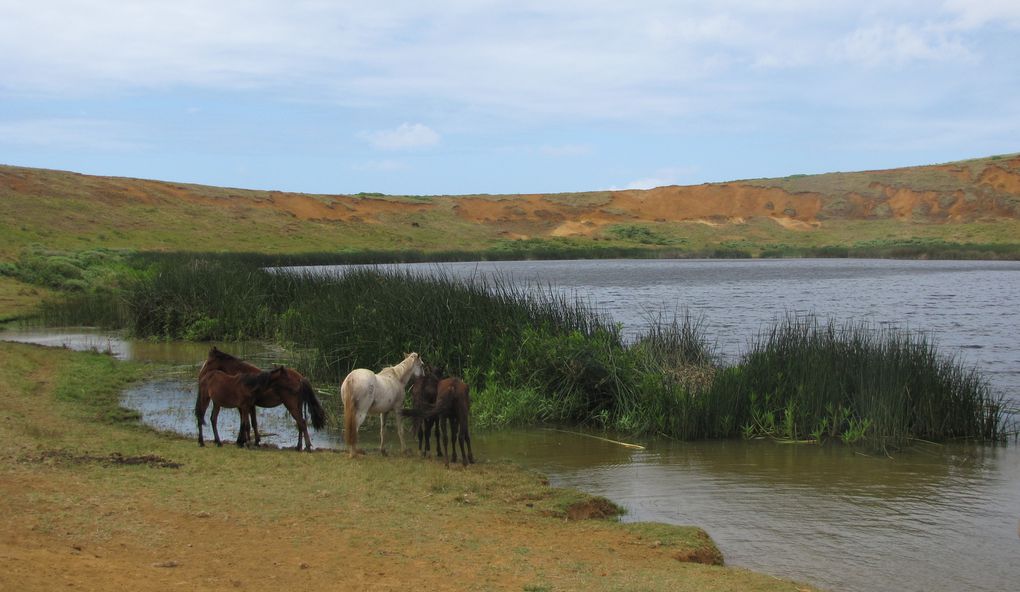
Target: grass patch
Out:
[689,543]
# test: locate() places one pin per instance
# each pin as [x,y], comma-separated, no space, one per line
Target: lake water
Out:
[934,518]
[970,308]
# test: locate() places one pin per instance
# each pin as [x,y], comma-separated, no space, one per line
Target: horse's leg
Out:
[294,406]
[215,416]
[453,438]
[400,432]
[440,436]
[241,435]
[359,417]
[418,431]
[382,432]
[462,438]
[426,431]
[255,426]
[200,406]
[467,438]
[437,425]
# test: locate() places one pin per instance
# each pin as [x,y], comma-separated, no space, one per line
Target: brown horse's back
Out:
[224,362]
[229,390]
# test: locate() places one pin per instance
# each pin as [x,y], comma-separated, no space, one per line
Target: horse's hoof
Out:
[383,452]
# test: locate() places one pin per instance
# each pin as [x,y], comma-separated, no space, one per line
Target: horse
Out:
[364,392]
[292,390]
[234,391]
[287,387]
[453,404]
[423,394]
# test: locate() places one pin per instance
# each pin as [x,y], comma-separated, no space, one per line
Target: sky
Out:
[491,96]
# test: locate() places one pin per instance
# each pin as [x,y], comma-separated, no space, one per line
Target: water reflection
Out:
[935,518]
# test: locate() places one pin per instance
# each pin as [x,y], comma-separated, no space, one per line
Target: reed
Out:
[532,354]
[853,381]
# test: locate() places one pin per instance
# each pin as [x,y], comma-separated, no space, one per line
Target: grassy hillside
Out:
[969,202]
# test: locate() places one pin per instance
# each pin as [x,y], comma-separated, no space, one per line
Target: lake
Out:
[934,518]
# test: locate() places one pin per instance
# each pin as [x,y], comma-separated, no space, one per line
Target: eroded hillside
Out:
[969,201]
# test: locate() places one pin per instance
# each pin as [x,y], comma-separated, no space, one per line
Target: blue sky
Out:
[480,96]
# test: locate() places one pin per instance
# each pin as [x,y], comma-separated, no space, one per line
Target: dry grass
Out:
[972,201]
[230,518]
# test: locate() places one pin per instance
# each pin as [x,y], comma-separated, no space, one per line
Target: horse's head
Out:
[416,365]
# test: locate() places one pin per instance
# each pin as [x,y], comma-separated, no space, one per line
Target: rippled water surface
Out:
[935,518]
[971,308]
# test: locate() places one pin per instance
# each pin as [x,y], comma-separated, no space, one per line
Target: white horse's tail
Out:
[350,393]
[350,417]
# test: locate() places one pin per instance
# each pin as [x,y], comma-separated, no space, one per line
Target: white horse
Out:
[364,392]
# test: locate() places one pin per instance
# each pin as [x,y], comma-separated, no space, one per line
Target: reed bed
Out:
[534,355]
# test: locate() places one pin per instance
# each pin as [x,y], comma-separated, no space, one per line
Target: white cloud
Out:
[403,137]
[659,178]
[523,59]
[884,44]
[977,13]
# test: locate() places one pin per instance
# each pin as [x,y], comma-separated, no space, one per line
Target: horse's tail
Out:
[199,407]
[350,415]
[312,403]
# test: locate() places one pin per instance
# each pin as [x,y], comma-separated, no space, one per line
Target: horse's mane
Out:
[216,353]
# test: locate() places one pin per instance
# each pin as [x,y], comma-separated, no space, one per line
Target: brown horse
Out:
[233,391]
[453,404]
[423,395]
[287,387]
[293,391]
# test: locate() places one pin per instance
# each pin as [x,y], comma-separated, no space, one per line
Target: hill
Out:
[975,201]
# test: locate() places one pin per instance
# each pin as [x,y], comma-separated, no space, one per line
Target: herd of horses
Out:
[439,402]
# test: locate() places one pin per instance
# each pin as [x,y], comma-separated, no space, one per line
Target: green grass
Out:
[534,356]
